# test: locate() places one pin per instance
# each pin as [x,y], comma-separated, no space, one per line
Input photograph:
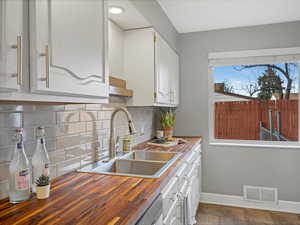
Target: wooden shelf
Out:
[117,87]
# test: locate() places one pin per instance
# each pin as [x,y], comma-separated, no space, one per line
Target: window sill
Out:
[280,145]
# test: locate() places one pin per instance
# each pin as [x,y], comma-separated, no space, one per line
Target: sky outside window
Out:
[240,78]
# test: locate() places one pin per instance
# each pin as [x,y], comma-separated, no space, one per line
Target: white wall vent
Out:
[260,194]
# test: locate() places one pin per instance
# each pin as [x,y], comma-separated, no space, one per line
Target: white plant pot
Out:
[43,192]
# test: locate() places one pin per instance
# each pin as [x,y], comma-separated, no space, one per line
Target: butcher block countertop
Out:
[84,198]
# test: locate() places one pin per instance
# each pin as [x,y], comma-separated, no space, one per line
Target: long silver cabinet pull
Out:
[18,47]
[46,55]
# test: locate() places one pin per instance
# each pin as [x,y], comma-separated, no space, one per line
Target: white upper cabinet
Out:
[68,47]
[166,73]
[11,44]
[151,69]
[162,70]
[174,78]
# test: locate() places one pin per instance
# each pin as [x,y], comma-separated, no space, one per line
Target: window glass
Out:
[256,102]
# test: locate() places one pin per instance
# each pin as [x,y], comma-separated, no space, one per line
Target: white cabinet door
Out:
[68,47]
[195,185]
[174,77]
[159,221]
[11,34]
[139,69]
[199,178]
[162,58]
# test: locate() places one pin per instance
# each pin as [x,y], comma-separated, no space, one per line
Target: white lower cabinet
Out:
[159,221]
[169,194]
[172,216]
[186,182]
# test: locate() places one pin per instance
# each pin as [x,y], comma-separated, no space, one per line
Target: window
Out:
[254,96]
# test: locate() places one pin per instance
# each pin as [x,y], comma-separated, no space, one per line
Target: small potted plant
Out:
[167,121]
[42,187]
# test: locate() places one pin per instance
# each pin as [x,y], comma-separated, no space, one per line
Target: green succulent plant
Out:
[42,181]
[167,119]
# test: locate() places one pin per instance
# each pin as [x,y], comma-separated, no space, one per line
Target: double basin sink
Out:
[145,164]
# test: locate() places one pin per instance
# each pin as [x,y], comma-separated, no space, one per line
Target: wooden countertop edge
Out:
[151,194]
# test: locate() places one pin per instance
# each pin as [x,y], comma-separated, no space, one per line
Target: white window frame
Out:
[211,110]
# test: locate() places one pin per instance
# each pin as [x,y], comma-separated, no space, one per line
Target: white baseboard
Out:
[238,201]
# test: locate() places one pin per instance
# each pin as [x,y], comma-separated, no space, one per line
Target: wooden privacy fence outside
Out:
[241,119]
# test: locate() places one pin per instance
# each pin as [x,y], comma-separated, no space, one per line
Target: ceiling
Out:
[130,19]
[201,15]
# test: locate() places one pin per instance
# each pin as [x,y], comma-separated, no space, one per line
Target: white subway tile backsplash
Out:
[4,194]
[87,159]
[89,107]
[74,152]
[70,128]
[67,117]
[53,171]
[35,119]
[6,154]
[76,135]
[4,171]
[67,141]
[89,137]
[93,146]
[107,115]
[101,115]
[88,116]
[57,156]
[6,137]
[10,120]
[94,126]
[68,166]
[4,186]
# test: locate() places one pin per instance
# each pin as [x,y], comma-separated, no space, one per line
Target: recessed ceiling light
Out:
[116,10]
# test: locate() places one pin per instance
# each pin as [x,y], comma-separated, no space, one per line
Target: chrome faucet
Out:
[112,144]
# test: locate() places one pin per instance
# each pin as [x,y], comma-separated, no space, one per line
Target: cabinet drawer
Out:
[197,149]
[175,221]
[192,157]
[174,212]
[193,171]
[183,188]
[181,173]
[159,221]
[169,194]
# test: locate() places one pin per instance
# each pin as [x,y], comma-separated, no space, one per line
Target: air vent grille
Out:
[260,194]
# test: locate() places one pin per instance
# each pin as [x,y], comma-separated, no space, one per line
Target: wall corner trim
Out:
[238,201]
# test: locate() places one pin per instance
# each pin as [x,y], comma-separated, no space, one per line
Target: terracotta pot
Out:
[168,132]
[43,192]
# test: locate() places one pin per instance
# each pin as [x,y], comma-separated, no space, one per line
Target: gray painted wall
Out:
[226,169]
[152,11]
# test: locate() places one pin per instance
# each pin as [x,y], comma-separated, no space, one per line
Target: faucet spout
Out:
[132,130]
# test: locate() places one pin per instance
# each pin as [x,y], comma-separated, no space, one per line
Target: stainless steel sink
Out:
[150,155]
[136,164]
